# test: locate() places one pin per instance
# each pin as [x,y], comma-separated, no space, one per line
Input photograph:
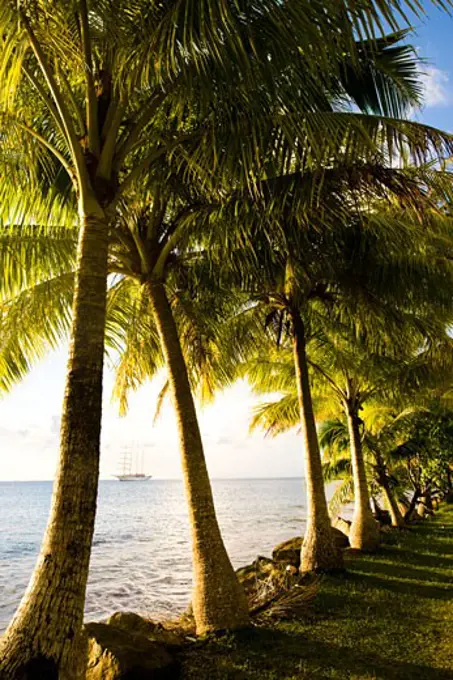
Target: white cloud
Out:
[435,86]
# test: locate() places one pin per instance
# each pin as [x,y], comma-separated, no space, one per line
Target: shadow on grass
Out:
[397,571]
[270,653]
[366,624]
[371,579]
[400,569]
[412,557]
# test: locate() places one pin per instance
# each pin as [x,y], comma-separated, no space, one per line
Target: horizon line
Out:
[156,479]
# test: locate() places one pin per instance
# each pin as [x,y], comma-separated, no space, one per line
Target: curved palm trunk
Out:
[319,551]
[364,531]
[395,513]
[42,639]
[411,511]
[219,602]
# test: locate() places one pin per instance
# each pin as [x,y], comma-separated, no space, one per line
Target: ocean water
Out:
[141,554]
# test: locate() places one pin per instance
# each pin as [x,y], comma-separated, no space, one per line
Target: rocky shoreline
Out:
[130,646]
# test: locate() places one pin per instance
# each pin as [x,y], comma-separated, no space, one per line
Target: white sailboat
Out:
[126,474]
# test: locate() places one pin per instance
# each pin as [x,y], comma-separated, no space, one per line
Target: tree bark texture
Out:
[364,532]
[319,551]
[395,513]
[219,602]
[411,511]
[42,639]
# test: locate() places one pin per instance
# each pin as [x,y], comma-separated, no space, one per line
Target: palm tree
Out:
[335,442]
[357,310]
[123,63]
[218,601]
[399,382]
[103,153]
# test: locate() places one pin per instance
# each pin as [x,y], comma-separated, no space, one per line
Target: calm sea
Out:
[141,553]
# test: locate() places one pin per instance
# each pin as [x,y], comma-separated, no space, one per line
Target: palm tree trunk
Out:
[395,513]
[411,511]
[364,532]
[219,602]
[319,551]
[42,639]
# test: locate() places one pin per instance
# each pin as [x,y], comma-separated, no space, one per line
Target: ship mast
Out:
[126,462]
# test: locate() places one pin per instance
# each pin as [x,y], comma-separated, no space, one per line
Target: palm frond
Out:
[343,494]
[33,322]
[277,416]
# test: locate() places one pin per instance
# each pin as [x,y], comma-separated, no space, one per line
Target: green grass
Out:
[389,617]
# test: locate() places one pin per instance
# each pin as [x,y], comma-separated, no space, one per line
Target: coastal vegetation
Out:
[389,617]
[225,190]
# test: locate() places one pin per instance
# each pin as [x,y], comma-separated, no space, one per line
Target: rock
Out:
[343,525]
[116,654]
[288,552]
[340,538]
[153,630]
[132,622]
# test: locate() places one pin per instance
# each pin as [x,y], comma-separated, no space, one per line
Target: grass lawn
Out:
[389,617]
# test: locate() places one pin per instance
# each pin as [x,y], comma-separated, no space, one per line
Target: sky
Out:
[30,419]
[30,414]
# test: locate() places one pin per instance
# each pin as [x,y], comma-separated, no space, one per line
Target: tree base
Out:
[319,552]
[364,534]
[221,612]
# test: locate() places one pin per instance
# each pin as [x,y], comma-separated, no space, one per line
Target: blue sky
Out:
[29,416]
[434,43]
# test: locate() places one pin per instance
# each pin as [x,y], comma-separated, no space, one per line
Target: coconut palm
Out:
[183,250]
[358,314]
[123,62]
[104,55]
[398,382]
[335,442]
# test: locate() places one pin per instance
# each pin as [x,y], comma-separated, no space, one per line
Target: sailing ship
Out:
[126,474]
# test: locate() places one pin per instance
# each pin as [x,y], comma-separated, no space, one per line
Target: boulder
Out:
[265,580]
[340,538]
[343,525]
[132,622]
[288,551]
[153,630]
[116,654]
